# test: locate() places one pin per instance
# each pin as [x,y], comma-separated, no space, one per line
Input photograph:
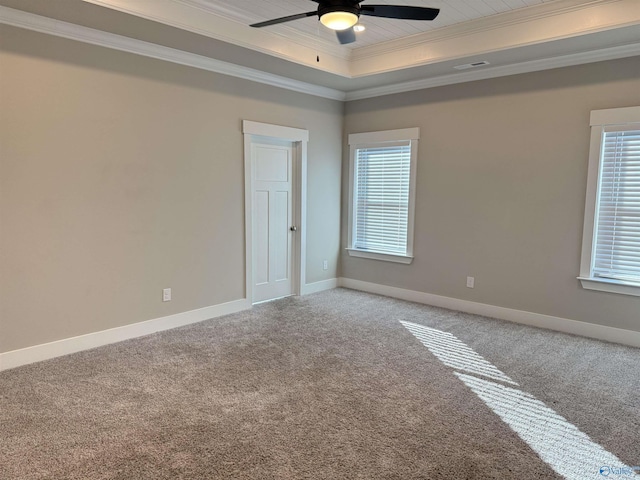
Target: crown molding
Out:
[536,25]
[18,18]
[291,34]
[604,54]
[192,17]
[29,21]
[505,19]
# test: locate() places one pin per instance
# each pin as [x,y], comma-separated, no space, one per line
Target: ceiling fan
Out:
[342,15]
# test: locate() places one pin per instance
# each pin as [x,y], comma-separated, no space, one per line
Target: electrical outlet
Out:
[325,264]
[471,282]
[166,294]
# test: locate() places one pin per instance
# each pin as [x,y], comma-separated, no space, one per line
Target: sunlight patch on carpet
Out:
[454,353]
[570,452]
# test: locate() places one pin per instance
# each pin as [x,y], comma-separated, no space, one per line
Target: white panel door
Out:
[272,170]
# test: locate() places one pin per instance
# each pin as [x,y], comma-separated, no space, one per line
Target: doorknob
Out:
[293,228]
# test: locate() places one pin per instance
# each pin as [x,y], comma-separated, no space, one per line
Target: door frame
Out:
[299,137]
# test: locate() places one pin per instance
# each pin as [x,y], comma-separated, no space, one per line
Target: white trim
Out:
[615,116]
[534,25]
[611,286]
[575,327]
[320,286]
[601,55]
[593,172]
[518,17]
[301,212]
[300,138]
[495,33]
[71,31]
[193,18]
[248,219]
[354,252]
[289,134]
[45,351]
[599,119]
[79,33]
[385,136]
[367,139]
[292,34]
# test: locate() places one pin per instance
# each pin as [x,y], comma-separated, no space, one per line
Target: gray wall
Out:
[121,175]
[502,169]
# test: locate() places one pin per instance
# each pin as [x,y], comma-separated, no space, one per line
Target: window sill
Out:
[386,257]
[612,286]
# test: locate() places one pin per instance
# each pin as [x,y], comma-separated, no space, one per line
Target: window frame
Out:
[368,139]
[600,119]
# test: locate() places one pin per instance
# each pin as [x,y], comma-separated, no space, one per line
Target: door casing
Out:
[299,137]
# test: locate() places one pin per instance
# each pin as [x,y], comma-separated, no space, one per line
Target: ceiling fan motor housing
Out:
[337,6]
[342,15]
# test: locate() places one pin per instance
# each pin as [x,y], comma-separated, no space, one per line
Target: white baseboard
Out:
[66,346]
[591,330]
[319,286]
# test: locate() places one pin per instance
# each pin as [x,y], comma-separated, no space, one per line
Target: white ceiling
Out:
[377,29]
[390,56]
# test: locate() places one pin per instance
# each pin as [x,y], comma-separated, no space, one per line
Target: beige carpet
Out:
[326,386]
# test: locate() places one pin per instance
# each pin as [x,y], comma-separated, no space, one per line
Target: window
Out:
[611,240]
[381,193]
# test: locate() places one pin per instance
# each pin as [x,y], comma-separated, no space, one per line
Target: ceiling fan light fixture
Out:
[342,16]
[339,20]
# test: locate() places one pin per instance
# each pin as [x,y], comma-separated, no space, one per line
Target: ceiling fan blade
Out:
[275,21]
[400,11]
[346,36]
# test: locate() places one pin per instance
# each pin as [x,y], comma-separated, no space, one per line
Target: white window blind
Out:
[617,229]
[381,198]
